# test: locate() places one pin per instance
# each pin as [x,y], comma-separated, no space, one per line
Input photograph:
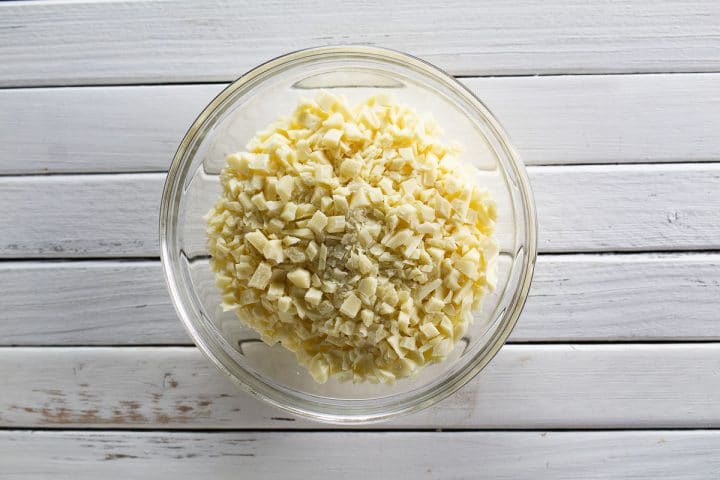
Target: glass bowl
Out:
[251,103]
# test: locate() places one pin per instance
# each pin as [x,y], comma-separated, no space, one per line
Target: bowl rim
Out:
[427,396]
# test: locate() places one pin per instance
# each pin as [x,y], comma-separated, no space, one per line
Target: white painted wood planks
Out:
[638,297]
[651,455]
[525,386]
[552,120]
[580,209]
[81,43]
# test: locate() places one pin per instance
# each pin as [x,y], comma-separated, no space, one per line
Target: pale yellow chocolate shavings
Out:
[351,236]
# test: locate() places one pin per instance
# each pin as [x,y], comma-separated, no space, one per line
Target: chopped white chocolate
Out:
[284,303]
[288,213]
[429,330]
[332,138]
[276,290]
[359,199]
[318,222]
[257,240]
[285,187]
[336,224]
[353,133]
[299,277]
[367,317]
[351,306]
[340,203]
[469,264]
[368,286]
[434,305]
[350,168]
[364,264]
[313,296]
[261,277]
[312,250]
[352,236]
[273,251]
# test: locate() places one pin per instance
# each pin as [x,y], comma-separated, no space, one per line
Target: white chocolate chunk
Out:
[299,277]
[257,240]
[259,201]
[336,224]
[273,251]
[284,303]
[434,305]
[365,265]
[335,120]
[429,330]
[367,317]
[261,277]
[351,306]
[332,138]
[350,168]
[318,222]
[359,199]
[260,162]
[313,296]
[469,264]
[276,290]
[353,133]
[288,213]
[368,286]
[285,187]
[340,203]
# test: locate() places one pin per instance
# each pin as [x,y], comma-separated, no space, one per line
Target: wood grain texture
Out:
[75,216]
[625,297]
[626,208]
[144,42]
[651,455]
[573,298]
[527,387]
[552,120]
[108,129]
[86,303]
[580,209]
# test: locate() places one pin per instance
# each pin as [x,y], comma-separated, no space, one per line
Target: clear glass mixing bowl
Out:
[250,104]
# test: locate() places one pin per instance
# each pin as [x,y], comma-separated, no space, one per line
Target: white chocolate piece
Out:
[336,224]
[318,222]
[350,168]
[299,277]
[368,286]
[429,330]
[261,277]
[313,296]
[285,187]
[273,251]
[257,240]
[332,138]
[351,306]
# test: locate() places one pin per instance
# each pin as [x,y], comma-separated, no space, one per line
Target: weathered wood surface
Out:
[81,43]
[580,209]
[551,120]
[79,252]
[526,387]
[573,298]
[651,455]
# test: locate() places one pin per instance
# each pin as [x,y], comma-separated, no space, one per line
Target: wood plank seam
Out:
[611,386]
[146,42]
[552,121]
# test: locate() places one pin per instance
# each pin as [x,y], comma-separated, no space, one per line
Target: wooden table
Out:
[614,368]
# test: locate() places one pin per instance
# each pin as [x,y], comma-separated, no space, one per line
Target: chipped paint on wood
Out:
[526,386]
